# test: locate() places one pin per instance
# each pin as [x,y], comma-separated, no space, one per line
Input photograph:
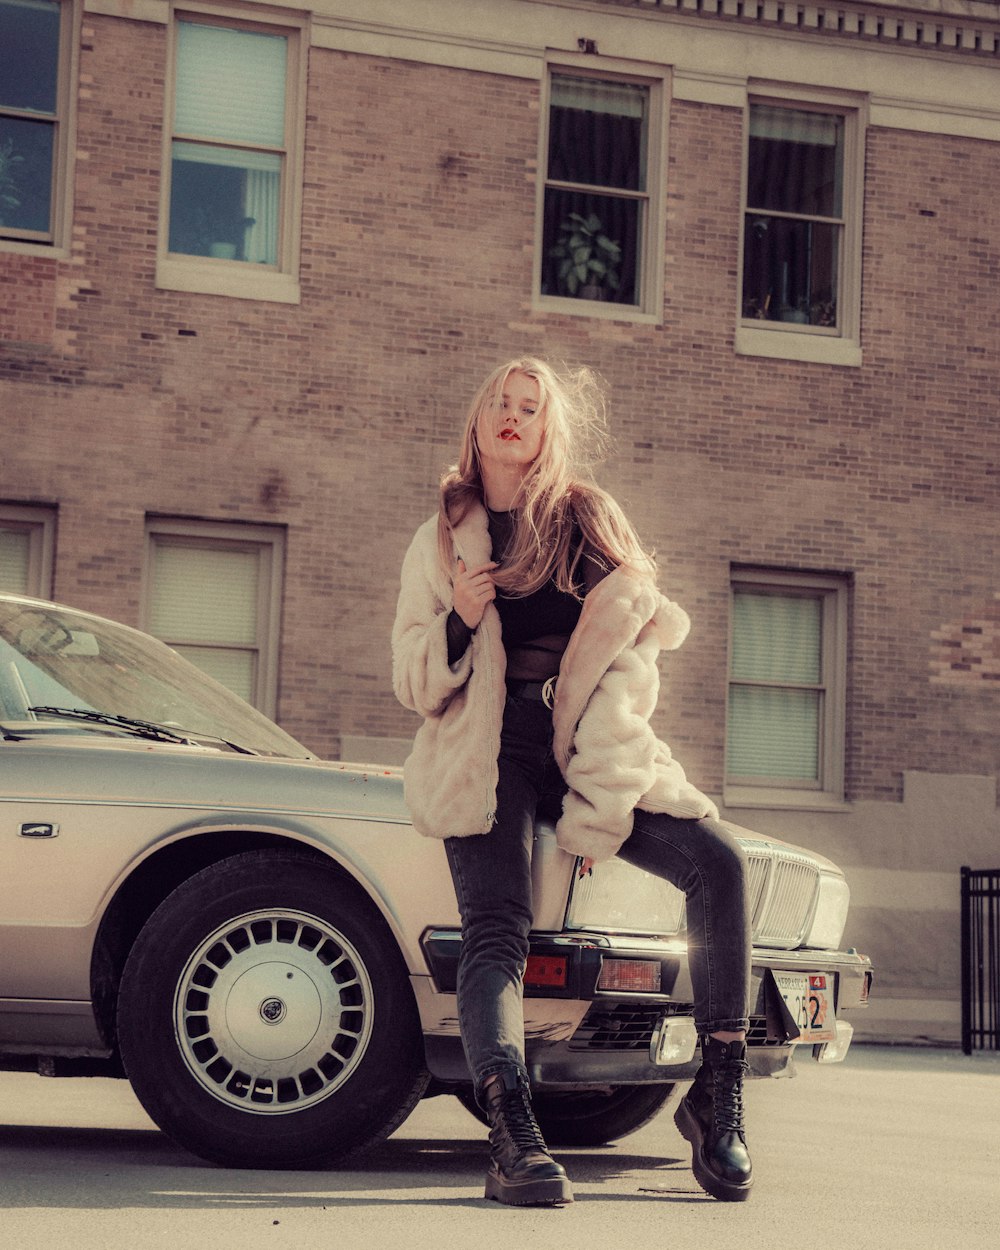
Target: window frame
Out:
[827,792]
[268,541]
[649,272]
[780,340]
[39,523]
[239,279]
[55,241]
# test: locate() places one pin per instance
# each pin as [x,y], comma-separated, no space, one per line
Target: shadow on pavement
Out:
[98,1168]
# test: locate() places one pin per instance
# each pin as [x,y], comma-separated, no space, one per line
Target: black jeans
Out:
[492,876]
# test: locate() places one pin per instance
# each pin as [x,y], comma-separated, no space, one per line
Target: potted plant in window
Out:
[220,235]
[589,259]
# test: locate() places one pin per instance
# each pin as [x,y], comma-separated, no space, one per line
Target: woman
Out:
[530,582]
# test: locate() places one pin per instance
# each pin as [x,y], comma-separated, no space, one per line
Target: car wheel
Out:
[589,1117]
[265,1018]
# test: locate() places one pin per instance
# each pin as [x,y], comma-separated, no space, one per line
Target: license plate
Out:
[808,997]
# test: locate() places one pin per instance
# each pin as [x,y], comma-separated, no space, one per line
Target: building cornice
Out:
[951,26]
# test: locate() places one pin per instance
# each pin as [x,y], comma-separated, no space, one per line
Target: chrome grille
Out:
[757,873]
[627,1027]
[622,1026]
[783,889]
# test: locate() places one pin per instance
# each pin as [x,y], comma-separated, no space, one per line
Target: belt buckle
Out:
[549,692]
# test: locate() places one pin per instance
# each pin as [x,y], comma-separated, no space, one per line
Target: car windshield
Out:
[54,658]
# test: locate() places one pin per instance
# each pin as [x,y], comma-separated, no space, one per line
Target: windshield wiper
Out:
[141,728]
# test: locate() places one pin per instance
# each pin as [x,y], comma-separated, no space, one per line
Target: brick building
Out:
[254,260]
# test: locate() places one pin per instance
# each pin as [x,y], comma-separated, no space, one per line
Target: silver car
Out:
[260,943]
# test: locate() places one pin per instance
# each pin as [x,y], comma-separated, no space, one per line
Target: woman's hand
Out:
[474,589]
[586,867]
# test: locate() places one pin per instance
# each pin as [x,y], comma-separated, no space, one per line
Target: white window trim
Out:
[233,278]
[269,541]
[65,145]
[829,794]
[651,280]
[811,343]
[39,523]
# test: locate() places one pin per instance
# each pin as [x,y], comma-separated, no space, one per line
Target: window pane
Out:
[26,174]
[230,84]
[796,161]
[790,270]
[235,669]
[773,733]
[15,550]
[201,594]
[225,203]
[776,638]
[29,55]
[597,133]
[590,246]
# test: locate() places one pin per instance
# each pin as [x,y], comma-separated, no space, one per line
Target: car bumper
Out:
[578,1033]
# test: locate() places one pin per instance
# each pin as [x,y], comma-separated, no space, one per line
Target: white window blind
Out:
[15,552]
[776,637]
[205,603]
[597,96]
[795,126]
[233,158]
[230,84]
[776,696]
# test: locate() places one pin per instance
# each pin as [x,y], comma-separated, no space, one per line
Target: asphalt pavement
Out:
[896,1147]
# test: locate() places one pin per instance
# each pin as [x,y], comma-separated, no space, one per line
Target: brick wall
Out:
[335,417]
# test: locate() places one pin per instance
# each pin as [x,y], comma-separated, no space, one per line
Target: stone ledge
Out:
[935,28]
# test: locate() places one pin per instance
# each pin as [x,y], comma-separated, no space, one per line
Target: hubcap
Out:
[273,1011]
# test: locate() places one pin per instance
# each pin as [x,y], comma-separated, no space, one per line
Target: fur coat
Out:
[605,695]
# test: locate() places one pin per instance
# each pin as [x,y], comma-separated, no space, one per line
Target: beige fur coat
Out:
[606,692]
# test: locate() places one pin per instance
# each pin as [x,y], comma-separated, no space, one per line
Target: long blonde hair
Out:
[557,495]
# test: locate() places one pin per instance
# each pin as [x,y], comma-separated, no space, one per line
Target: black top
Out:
[536,627]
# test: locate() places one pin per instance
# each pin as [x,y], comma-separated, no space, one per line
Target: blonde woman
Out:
[527,631]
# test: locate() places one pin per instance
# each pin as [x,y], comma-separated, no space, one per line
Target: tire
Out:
[265,1018]
[589,1117]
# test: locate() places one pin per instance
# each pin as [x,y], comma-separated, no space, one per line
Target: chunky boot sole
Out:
[554,1191]
[690,1129]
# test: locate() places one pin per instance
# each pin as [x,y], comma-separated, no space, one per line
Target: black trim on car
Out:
[584,955]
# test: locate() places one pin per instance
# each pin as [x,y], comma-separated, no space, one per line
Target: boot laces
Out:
[727,1102]
[519,1121]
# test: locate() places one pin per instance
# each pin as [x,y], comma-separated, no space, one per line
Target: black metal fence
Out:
[980,959]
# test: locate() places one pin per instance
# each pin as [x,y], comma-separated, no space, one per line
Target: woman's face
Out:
[510,430]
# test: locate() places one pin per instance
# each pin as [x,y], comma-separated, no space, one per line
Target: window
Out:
[598,212]
[213,593]
[785,730]
[27,542]
[234,159]
[801,238]
[34,61]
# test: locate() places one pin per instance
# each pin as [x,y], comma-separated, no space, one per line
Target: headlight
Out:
[624,899]
[828,921]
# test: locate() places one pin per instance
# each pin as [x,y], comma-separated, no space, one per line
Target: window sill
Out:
[756,797]
[821,349]
[594,309]
[18,247]
[227,278]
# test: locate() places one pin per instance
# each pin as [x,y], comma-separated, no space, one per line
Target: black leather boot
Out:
[710,1117]
[522,1172]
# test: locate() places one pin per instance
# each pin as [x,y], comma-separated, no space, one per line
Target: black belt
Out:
[542,691]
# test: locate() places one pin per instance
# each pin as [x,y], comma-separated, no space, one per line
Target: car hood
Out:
[137,771]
